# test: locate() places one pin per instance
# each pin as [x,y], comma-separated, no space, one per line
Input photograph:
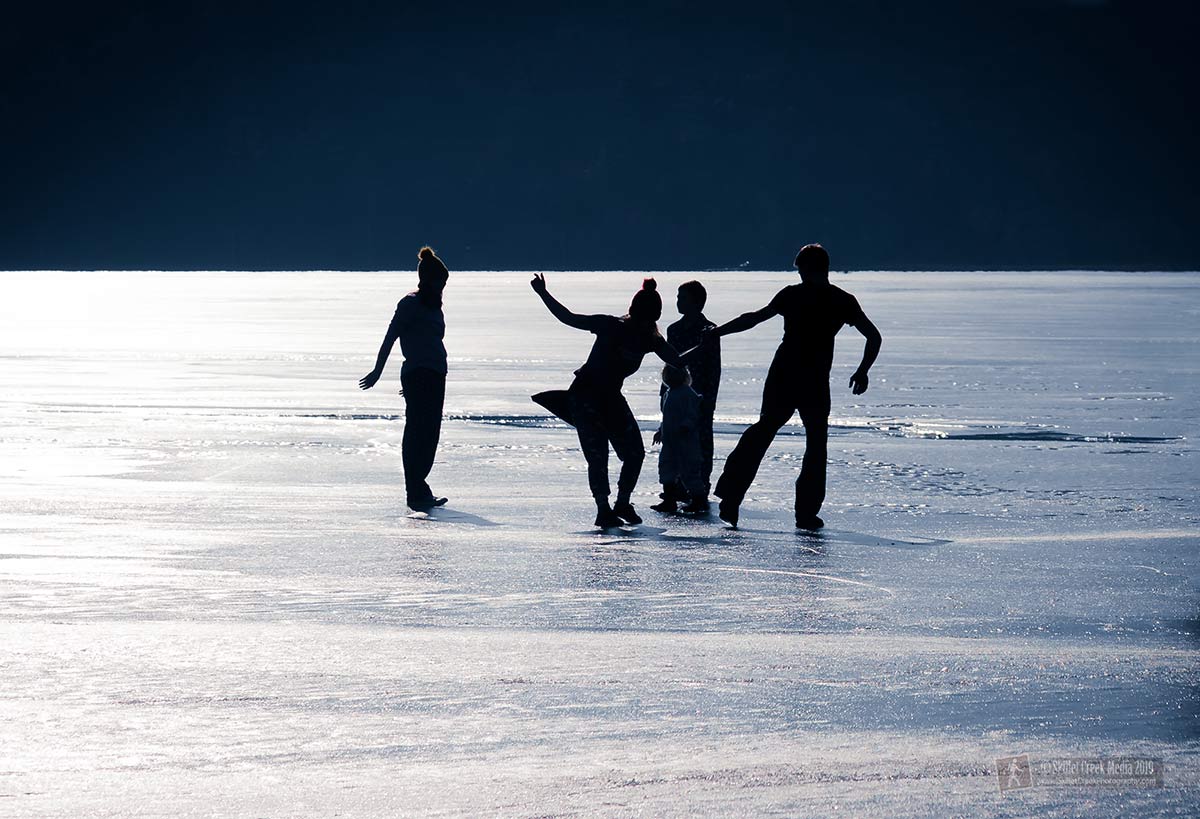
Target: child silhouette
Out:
[679,463]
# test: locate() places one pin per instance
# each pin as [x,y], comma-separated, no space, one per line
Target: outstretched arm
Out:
[709,344]
[859,381]
[745,321]
[385,349]
[556,308]
[667,353]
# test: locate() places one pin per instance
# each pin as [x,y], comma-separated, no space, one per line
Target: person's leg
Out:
[666,476]
[589,427]
[742,464]
[708,408]
[691,477]
[810,485]
[666,471]
[424,396]
[627,442]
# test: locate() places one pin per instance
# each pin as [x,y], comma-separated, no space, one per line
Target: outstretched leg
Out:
[742,464]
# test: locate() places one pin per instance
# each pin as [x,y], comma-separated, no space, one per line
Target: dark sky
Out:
[979,134]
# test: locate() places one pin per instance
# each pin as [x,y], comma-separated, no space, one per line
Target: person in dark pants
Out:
[691,335]
[813,312]
[420,326]
[594,403]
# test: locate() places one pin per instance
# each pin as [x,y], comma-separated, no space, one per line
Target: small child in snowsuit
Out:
[679,463]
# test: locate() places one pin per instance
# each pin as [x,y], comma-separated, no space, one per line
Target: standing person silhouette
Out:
[702,350]
[813,312]
[594,403]
[420,326]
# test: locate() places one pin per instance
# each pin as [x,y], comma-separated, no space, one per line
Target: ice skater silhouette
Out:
[594,404]
[420,326]
[813,312]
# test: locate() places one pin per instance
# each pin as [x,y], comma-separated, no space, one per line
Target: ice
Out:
[212,601]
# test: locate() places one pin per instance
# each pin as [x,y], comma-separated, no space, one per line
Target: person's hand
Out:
[708,333]
[538,283]
[657,439]
[859,382]
[368,380]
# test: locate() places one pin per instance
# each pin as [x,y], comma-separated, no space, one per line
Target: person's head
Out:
[431,275]
[676,376]
[647,304]
[813,263]
[691,298]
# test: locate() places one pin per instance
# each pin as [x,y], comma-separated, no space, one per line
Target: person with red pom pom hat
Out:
[594,403]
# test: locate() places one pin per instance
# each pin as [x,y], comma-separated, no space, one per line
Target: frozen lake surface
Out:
[213,602]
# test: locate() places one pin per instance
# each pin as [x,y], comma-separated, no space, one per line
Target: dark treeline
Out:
[285,135]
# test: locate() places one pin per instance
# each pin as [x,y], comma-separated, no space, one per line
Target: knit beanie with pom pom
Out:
[430,267]
[646,304]
[432,276]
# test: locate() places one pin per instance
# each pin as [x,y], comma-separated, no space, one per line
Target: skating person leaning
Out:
[813,312]
[594,403]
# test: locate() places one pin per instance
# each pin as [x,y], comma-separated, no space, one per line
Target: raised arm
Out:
[556,308]
[746,320]
[859,381]
[385,349]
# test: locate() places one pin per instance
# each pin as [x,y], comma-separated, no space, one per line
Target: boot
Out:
[625,511]
[728,512]
[810,522]
[606,518]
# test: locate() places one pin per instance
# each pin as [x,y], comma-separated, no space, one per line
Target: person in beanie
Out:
[594,403]
[420,326]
